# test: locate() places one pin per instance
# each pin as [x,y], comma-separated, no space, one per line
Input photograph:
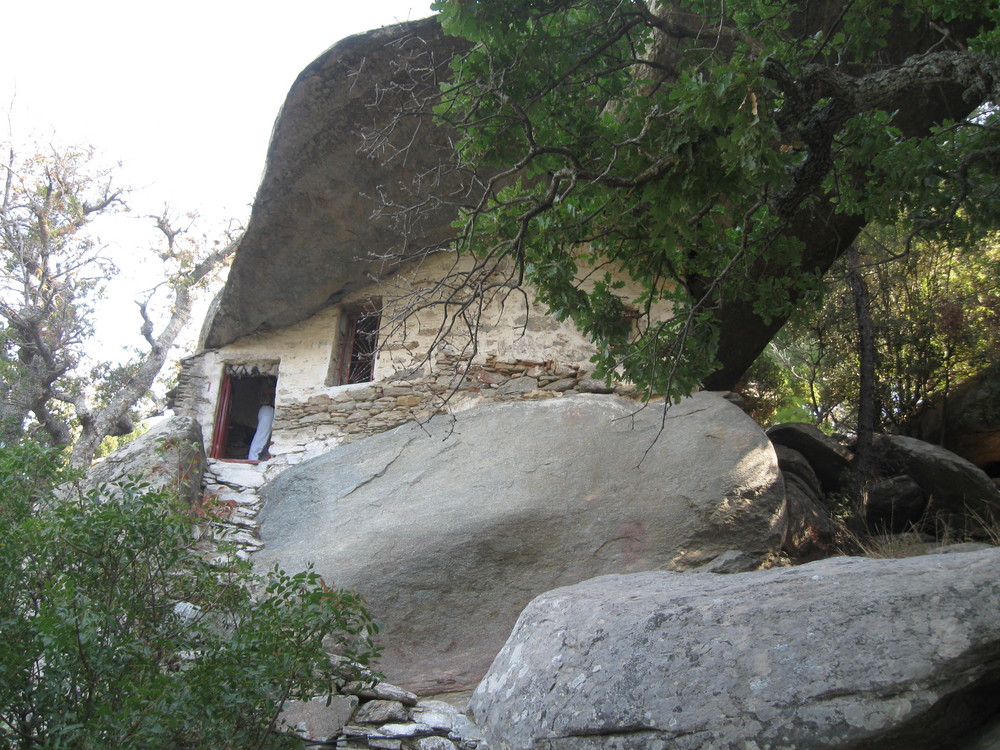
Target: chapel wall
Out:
[520,353]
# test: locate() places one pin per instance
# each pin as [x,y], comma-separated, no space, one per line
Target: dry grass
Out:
[913,543]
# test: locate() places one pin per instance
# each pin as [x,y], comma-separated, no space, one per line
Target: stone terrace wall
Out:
[313,427]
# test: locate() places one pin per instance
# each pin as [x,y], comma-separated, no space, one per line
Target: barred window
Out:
[360,348]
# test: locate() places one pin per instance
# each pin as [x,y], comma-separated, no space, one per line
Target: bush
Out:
[116,636]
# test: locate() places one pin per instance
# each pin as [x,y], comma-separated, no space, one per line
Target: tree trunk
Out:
[99,425]
[863,458]
[12,417]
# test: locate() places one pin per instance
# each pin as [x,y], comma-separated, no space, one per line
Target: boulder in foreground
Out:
[448,529]
[840,653]
[171,455]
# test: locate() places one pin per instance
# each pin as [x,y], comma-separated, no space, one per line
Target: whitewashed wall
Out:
[515,343]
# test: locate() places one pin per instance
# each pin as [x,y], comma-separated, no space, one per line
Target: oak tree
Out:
[720,155]
[53,271]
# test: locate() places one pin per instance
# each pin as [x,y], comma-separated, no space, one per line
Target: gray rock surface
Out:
[961,496]
[730,561]
[828,458]
[793,463]
[811,531]
[894,505]
[171,454]
[311,234]
[987,738]
[352,720]
[319,720]
[449,528]
[839,653]
[811,528]
[967,422]
[381,712]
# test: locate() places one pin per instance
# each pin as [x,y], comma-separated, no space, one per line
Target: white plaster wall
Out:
[514,330]
[302,352]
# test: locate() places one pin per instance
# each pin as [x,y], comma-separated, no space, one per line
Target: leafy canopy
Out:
[936,318]
[717,157]
[115,635]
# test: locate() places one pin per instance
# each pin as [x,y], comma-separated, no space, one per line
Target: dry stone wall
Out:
[515,352]
[311,427]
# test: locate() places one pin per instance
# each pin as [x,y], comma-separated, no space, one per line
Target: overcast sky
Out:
[182,93]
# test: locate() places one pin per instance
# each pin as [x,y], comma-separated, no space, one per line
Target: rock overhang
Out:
[312,237]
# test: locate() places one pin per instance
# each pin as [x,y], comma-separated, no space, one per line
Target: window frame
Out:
[356,345]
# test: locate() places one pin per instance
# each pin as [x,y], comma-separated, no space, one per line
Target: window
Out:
[243,390]
[356,348]
[361,345]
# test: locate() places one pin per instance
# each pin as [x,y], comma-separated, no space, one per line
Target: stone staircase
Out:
[229,509]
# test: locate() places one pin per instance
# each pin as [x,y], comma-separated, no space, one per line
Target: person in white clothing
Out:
[265,418]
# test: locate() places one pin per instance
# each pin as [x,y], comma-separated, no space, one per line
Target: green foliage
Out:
[116,635]
[936,312]
[684,152]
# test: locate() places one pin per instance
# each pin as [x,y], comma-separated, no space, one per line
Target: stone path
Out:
[229,513]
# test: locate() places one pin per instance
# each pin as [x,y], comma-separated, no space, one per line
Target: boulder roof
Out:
[312,237]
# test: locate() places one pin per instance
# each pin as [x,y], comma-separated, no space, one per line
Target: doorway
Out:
[244,389]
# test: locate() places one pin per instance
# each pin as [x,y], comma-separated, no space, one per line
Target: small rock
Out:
[592,385]
[407,729]
[560,385]
[433,743]
[380,712]
[315,719]
[730,561]
[234,474]
[382,691]
[518,385]
[436,714]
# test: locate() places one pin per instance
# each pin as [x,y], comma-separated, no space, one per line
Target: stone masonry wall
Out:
[520,353]
[311,427]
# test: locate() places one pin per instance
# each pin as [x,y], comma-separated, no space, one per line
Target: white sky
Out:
[183,93]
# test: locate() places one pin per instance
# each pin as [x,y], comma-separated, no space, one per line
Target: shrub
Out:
[116,636]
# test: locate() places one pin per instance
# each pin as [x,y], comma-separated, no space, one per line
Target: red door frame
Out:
[221,434]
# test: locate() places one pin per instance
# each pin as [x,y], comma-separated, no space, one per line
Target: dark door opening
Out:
[243,392]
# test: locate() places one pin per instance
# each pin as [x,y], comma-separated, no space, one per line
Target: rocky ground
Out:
[838,653]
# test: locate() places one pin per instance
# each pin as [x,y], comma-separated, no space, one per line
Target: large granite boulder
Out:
[967,422]
[962,498]
[840,653]
[171,454]
[830,461]
[449,528]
